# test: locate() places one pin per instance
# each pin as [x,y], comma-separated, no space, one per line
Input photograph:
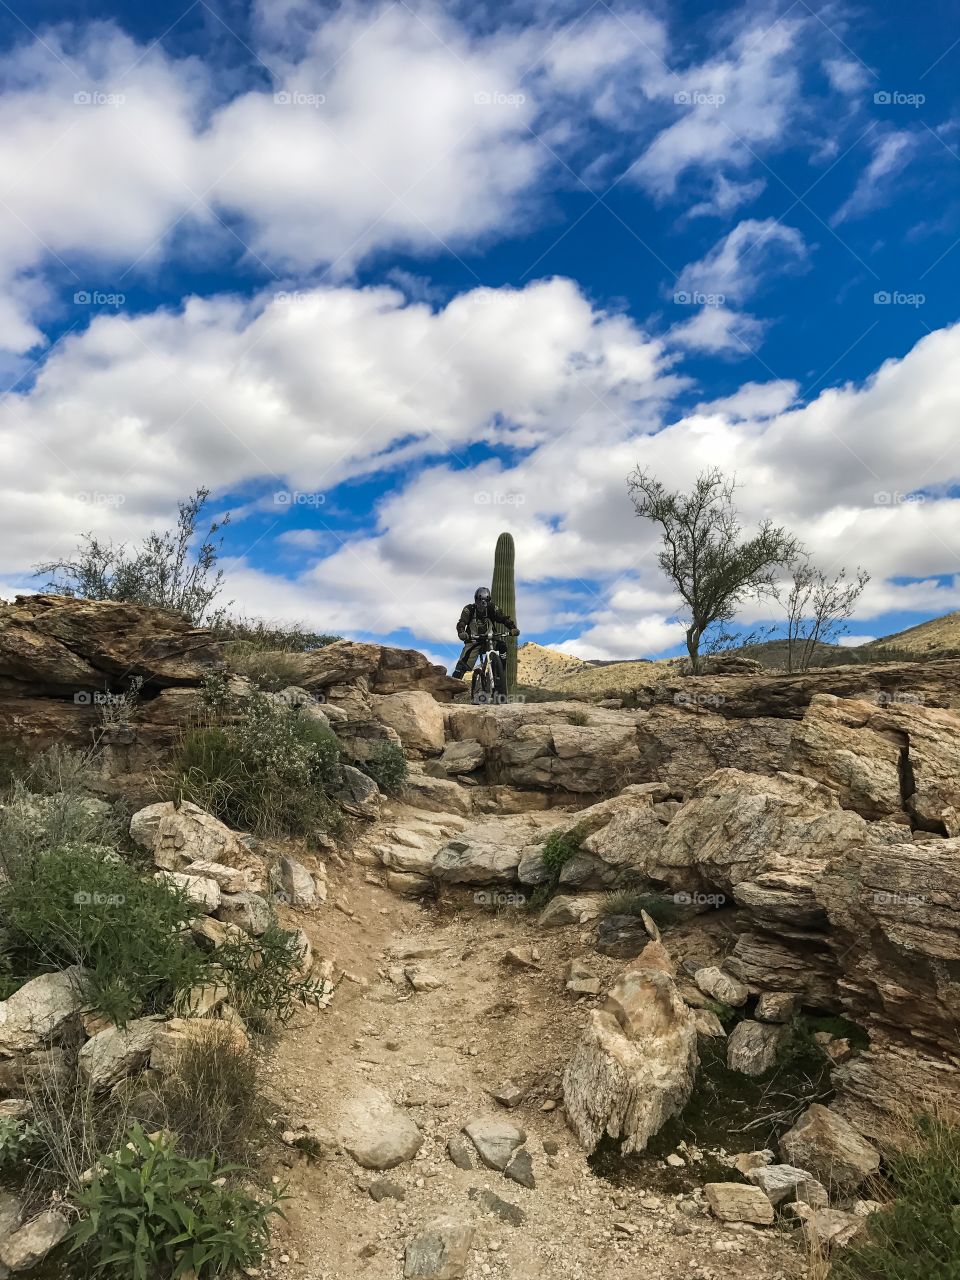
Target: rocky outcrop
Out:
[635,1064]
[830,1148]
[897,760]
[490,851]
[416,717]
[382,669]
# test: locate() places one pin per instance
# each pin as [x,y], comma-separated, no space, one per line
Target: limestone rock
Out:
[441,1252]
[708,1024]
[495,1139]
[146,822]
[829,1146]
[561,910]
[188,834]
[116,1052]
[248,911]
[721,986]
[359,794]
[230,879]
[377,1133]
[437,795]
[416,717]
[752,1047]
[734,1202]
[202,891]
[458,758]
[489,851]
[635,1064]
[31,1243]
[383,668]
[776,1006]
[782,1182]
[296,883]
[40,1008]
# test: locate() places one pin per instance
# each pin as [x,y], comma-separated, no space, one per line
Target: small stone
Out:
[584,986]
[508,1094]
[776,1006]
[520,1169]
[675,1161]
[551,1146]
[504,1209]
[744,1161]
[782,1182]
[422,979]
[441,1252]
[521,958]
[384,1189]
[495,1140]
[459,1153]
[734,1202]
[752,1047]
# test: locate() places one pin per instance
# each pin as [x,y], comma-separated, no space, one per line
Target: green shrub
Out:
[152,1213]
[81,904]
[578,718]
[32,822]
[387,766]
[19,1142]
[263,978]
[558,848]
[255,635]
[918,1236]
[212,1100]
[266,767]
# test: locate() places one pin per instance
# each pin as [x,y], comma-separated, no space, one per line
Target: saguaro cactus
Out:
[504,592]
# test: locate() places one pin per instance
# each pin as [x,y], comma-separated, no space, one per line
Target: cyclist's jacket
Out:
[465,628]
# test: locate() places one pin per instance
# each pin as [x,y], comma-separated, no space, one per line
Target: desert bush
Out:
[261,765]
[578,718]
[630,902]
[47,808]
[152,1213]
[387,766]
[918,1235]
[212,1099]
[558,848]
[263,977]
[259,635]
[170,569]
[271,669]
[80,904]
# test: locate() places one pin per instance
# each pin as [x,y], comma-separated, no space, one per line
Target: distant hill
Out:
[544,669]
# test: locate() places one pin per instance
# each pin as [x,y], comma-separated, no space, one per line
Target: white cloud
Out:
[891,153]
[736,265]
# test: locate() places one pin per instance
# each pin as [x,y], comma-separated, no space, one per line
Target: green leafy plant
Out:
[19,1141]
[387,766]
[918,1235]
[261,765]
[152,1213]
[80,904]
[558,848]
[264,979]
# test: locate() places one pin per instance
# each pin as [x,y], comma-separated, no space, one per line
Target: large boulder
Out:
[416,717]
[635,1064]
[383,669]
[827,1145]
[38,1010]
[188,834]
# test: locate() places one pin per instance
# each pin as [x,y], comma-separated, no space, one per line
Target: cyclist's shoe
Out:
[458,672]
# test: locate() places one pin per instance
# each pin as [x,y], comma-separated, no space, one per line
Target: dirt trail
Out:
[438,1053]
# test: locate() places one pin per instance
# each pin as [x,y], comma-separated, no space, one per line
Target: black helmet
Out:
[481,598]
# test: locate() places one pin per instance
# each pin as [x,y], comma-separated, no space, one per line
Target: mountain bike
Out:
[488,684]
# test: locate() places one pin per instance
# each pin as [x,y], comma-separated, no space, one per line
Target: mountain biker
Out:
[474,616]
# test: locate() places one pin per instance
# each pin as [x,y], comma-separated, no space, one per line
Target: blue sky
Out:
[392,278]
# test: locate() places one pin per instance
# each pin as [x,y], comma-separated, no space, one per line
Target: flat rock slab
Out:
[734,1202]
[782,1183]
[495,1140]
[721,986]
[503,1209]
[831,1148]
[377,1133]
